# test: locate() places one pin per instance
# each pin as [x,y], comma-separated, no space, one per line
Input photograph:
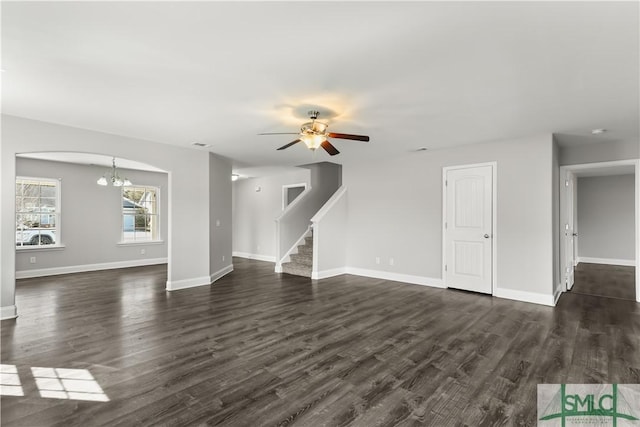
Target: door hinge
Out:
[446,182]
[445,267]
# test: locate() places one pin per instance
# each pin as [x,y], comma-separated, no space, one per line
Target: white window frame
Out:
[158,239]
[286,187]
[57,214]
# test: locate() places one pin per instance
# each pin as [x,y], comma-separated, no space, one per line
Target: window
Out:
[140,219]
[37,212]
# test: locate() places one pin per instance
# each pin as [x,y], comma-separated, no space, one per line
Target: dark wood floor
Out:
[261,349]
[612,281]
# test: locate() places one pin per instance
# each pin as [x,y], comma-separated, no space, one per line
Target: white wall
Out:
[606,217]
[91,220]
[395,211]
[255,212]
[188,182]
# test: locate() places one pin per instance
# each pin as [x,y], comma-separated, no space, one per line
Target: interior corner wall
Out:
[257,202]
[188,170]
[221,222]
[395,211]
[606,217]
[91,220]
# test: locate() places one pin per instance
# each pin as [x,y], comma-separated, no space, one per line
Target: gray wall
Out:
[606,223]
[599,152]
[395,210]
[91,222]
[220,217]
[254,212]
[189,193]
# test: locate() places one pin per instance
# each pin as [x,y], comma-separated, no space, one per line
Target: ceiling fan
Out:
[314,134]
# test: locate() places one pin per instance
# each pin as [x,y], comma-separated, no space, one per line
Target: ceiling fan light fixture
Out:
[313,141]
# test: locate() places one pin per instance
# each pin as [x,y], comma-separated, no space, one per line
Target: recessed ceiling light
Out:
[200,144]
[598,131]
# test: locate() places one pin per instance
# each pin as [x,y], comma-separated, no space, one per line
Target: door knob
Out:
[575,234]
[486,236]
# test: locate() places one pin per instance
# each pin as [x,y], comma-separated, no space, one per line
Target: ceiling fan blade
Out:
[329,148]
[289,144]
[347,136]
[280,133]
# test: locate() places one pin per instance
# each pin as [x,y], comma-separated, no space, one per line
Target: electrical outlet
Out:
[217,223]
[32,260]
[143,251]
[391,261]
[222,257]
[258,247]
[377,260]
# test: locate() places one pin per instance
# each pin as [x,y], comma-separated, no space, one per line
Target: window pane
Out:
[36,211]
[47,190]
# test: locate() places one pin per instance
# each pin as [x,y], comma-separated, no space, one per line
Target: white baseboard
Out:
[609,261]
[324,274]
[41,272]
[557,293]
[220,273]
[524,296]
[188,283]
[396,277]
[8,312]
[255,256]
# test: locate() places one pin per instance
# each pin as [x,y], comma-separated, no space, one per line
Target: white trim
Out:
[608,261]
[494,219]
[531,297]
[556,295]
[27,274]
[220,273]
[284,192]
[188,283]
[317,275]
[140,243]
[267,258]
[33,248]
[396,277]
[8,312]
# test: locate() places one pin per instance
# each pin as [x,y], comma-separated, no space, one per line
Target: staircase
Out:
[301,262]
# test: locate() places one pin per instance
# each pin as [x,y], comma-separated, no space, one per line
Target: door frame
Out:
[494,222]
[597,165]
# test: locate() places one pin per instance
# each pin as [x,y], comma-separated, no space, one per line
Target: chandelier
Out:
[113,177]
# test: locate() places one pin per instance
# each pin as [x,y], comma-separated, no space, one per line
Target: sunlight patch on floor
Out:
[61,383]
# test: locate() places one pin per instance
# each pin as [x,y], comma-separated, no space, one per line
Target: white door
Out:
[468,228]
[569,232]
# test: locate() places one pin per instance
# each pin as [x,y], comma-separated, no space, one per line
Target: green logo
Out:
[587,404]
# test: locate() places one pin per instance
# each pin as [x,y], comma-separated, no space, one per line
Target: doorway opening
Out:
[599,235]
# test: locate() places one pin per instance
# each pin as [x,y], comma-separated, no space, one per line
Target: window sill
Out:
[149,242]
[30,248]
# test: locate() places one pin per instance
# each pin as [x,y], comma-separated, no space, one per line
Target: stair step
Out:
[296,269]
[305,250]
[302,258]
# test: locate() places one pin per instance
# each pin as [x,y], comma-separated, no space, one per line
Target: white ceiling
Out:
[410,75]
[91,159]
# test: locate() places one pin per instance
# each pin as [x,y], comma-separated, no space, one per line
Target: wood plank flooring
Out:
[611,281]
[263,349]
